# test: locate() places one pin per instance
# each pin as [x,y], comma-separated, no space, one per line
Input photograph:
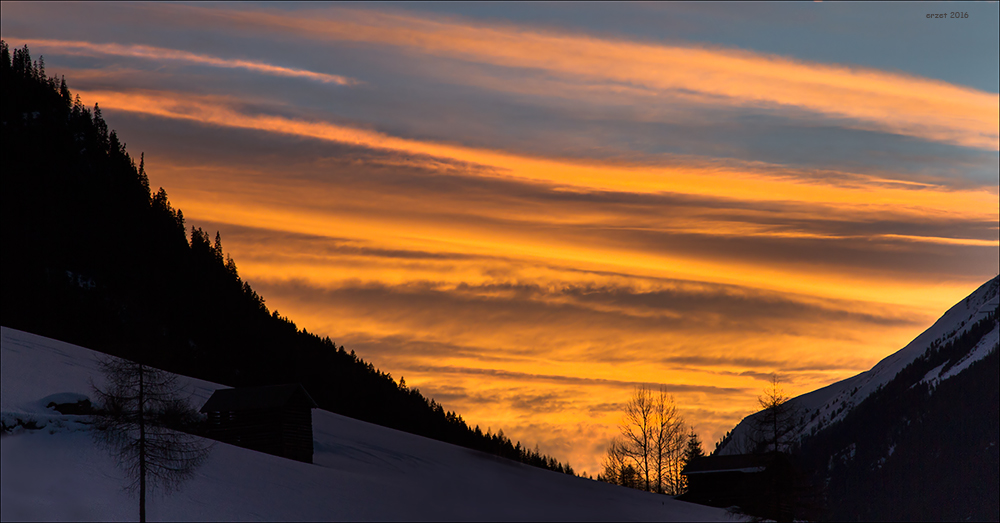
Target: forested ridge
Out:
[92,256]
[916,450]
[923,446]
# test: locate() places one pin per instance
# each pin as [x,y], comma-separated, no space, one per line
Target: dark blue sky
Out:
[883,35]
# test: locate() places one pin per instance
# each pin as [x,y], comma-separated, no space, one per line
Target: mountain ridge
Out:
[850,392]
[915,438]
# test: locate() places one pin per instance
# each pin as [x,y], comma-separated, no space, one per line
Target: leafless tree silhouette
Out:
[651,444]
[772,429]
[142,421]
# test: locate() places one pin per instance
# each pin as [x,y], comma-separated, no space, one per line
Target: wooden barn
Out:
[741,479]
[275,419]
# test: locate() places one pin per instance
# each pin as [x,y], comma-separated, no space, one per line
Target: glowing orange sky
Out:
[531,284]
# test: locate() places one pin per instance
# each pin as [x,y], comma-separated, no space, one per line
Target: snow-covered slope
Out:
[361,471]
[832,403]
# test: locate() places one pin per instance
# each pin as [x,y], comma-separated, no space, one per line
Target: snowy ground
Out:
[361,471]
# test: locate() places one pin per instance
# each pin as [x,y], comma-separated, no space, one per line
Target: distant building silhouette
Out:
[740,480]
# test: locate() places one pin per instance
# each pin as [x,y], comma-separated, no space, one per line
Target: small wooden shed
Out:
[276,419]
[739,479]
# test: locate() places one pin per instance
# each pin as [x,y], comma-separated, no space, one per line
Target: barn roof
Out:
[731,463]
[254,398]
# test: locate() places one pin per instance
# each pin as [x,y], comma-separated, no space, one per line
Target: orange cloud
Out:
[867,98]
[401,222]
[162,54]
[421,229]
[540,248]
[753,181]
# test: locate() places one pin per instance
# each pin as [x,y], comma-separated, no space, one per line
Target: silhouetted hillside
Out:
[919,449]
[92,256]
[915,438]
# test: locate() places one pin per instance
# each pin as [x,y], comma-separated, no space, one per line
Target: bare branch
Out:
[142,421]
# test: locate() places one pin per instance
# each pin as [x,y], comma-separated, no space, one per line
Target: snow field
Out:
[361,471]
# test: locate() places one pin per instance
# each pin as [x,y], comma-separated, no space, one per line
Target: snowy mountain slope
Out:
[823,407]
[361,472]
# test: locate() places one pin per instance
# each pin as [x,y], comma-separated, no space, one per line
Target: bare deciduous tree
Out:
[141,422]
[669,444]
[618,468]
[651,443]
[638,431]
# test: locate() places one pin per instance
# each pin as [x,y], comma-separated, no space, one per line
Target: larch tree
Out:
[772,428]
[772,431]
[141,420]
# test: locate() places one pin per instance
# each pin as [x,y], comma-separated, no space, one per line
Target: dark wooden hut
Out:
[741,479]
[275,419]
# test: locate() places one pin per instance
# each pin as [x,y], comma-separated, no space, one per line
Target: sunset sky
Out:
[526,210]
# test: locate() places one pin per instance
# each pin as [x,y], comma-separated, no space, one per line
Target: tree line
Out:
[93,256]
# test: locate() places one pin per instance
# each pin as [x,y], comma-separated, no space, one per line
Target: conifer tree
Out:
[4,57]
[102,129]
[64,92]
[693,450]
[217,248]
[140,423]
